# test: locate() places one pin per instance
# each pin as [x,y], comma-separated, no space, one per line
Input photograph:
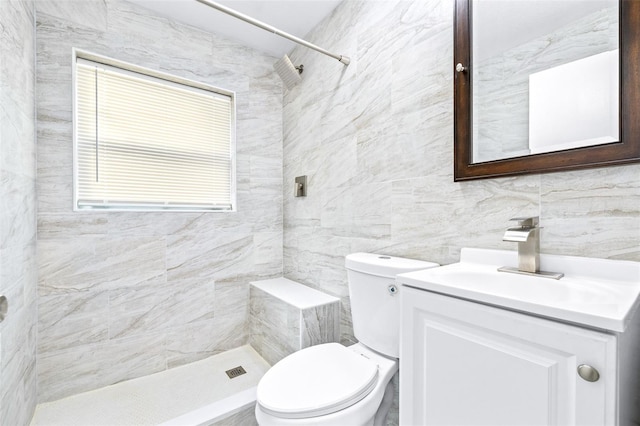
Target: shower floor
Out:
[192,394]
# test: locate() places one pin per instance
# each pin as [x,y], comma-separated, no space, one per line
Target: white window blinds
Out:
[147,143]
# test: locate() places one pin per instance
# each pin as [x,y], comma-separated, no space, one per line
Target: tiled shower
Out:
[128,294]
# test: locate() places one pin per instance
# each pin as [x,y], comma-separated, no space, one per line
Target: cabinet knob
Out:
[588,373]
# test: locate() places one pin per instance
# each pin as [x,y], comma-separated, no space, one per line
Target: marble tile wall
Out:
[278,328]
[18,269]
[274,326]
[120,295]
[376,142]
[123,294]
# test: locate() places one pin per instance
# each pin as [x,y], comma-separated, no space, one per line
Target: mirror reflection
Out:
[545,76]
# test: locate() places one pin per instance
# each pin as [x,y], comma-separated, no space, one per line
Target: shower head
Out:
[289,73]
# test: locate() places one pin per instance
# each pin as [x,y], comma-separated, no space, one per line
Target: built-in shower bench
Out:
[286,316]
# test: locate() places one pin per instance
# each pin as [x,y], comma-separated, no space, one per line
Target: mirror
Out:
[545,76]
[545,85]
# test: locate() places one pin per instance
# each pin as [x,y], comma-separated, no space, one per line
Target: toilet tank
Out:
[375,298]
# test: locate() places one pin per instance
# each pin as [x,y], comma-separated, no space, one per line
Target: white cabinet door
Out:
[468,364]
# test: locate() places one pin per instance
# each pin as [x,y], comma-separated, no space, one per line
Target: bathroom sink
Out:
[598,293]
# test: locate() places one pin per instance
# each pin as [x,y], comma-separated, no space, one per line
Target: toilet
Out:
[332,384]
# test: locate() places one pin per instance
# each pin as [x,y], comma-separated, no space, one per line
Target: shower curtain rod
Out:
[344,59]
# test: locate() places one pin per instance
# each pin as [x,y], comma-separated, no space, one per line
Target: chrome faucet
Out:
[527,235]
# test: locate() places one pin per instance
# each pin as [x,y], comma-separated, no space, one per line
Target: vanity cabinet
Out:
[468,363]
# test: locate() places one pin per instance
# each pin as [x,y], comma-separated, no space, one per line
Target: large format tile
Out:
[125,283]
[97,365]
[72,319]
[18,268]
[99,263]
[222,256]
[89,13]
[395,193]
[592,213]
[196,341]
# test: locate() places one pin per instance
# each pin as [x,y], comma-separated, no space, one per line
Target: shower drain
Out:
[235,372]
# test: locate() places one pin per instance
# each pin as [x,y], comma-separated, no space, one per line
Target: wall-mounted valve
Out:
[300,186]
[4,307]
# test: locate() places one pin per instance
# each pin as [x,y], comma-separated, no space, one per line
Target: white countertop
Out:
[598,293]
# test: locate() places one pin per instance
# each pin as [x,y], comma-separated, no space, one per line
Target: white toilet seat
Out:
[316,381]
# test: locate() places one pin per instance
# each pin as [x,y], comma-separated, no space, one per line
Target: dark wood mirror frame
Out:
[627,150]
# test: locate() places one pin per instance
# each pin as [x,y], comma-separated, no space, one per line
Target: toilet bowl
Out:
[332,384]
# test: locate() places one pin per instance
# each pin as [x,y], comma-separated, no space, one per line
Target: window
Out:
[147,141]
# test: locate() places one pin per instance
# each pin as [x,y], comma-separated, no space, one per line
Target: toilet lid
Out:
[316,381]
